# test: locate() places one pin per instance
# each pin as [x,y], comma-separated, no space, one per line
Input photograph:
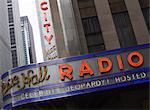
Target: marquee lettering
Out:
[45,17]
[47,25]
[140,59]
[49,38]
[120,63]
[29,78]
[101,62]
[105,65]
[85,69]
[44,6]
[65,71]
[9,84]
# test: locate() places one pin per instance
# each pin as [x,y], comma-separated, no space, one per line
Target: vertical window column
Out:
[9,1]
[82,39]
[91,26]
[10,15]
[137,21]
[122,22]
[146,12]
[107,25]
[14,58]
[93,34]
[12,36]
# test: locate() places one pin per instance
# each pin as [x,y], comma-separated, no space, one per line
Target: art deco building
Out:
[115,31]
[88,26]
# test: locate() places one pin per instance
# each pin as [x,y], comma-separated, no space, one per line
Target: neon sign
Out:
[66,70]
[76,75]
[47,30]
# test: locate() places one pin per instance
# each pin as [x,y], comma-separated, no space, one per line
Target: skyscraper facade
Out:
[11,54]
[5,51]
[16,39]
[27,34]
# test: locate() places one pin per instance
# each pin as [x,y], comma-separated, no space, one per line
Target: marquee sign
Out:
[76,75]
[47,30]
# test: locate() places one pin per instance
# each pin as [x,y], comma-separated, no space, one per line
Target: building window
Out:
[9,5]
[122,22]
[93,34]
[146,11]
[13,47]
[91,26]
[11,25]
[117,6]
[14,58]
[10,15]
[12,36]
[87,8]
[30,54]
[9,1]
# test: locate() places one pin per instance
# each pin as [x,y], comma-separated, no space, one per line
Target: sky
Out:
[28,8]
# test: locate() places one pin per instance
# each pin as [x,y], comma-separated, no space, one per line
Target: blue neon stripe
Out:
[23,68]
[4,75]
[83,80]
[123,84]
[27,101]
[124,49]
[64,60]
[108,52]
[8,106]
[6,97]
[18,69]
[95,78]
[79,81]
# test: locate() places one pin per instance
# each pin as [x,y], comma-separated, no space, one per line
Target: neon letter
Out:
[101,67]
[49,38]
[140,59]
[47,26]
[42,6]
[65,70]
[85,69]
[120,63]
[45,17]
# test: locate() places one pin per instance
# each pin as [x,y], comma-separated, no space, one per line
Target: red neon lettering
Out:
[49,38]
[140,59]
[42,6]
[101,66]
[47,27]
[65,70]
[85,69]
[120,63]
[45,17]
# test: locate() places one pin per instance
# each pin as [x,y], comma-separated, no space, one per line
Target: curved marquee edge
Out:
[64,60]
